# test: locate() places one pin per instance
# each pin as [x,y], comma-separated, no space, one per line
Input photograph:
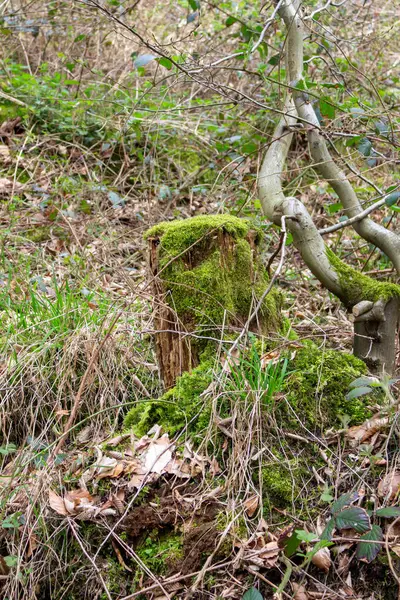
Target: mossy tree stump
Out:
[207,276]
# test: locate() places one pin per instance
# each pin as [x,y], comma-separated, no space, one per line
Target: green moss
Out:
[177,407]
[44,233]
[160,549]
[357,286]
[316,390]
[278,484]
[210,283]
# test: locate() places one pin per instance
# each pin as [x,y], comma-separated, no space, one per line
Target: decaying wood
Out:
[376,332]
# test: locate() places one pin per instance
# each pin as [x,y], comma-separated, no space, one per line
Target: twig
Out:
[348,222]
[96,568]
[78,396]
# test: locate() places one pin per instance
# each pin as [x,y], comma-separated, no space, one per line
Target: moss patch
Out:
[357,286]
[214,278]
[177,407]
[316,390]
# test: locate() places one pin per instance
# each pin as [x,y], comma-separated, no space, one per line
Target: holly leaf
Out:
[353,518]
[366,549]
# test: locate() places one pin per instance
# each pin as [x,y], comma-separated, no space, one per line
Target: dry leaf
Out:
[389,486]
[57,503]
[299,592]
[396,549]
[251,505]
[158,455]
[361,433]
[322,559]
[8,185]
[5,153]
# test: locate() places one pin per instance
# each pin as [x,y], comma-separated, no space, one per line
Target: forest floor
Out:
[234,498]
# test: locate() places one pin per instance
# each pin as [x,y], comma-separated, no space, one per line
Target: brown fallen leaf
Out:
[389,486]
[299,592]
[57,503]
[9,185]
[251,505]
[322,559]
[361,433]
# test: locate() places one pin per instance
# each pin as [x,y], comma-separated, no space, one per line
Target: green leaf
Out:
[366,549]
[252,594]
[306,536]
[357,392]
[194,4]
[11,561]
[165,62]
[365,147]
[71,82]
[80,37]
[327,110]
[143,60]
[343,501]
[334,208]
[274,60]
[360,381]
[390,512]
[328,531]
[392,199]
[9,449]
[353,518]
[230,21]
[292,543]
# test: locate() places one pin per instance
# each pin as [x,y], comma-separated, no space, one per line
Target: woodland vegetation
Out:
[199,299]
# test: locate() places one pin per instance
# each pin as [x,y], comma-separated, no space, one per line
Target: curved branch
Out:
[372,232]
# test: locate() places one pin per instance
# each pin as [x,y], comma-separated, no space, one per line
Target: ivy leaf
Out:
[326,108]
[357,392]
[165,62]
[390,512]
[366,549]
[353,518]
[392,198]
[144,60]
[274,60]
[252,594]
[365,147]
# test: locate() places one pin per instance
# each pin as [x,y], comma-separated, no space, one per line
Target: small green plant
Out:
[250,373]
[8,449]
[365,385]
[344,516]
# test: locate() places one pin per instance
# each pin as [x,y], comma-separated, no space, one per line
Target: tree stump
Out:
[206,278]
[376,334]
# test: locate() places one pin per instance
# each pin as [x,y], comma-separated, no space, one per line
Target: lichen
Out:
[178,407]
[316,390]
[208,284]
[357,286]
